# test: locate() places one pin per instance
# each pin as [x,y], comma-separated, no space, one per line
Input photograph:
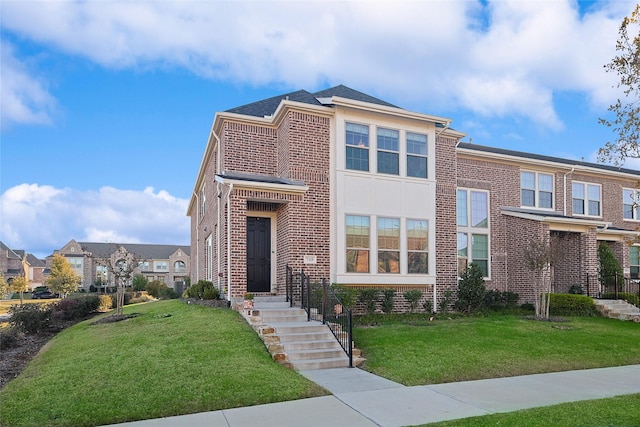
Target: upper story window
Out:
[203,200]
[388,245]
[472,208]
[586,199]
[179,267]
[416,155]
[388,156]
[144,266]
[536,189]
[630,207]
[161,265]
[357,140]
[358,243]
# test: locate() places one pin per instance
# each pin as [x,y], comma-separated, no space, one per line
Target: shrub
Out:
[576,289]
[412,296]
[139,282]
[428,306]
[8,338]
[572,305]
[76,307]
[527,306]
[114,299]
[368,296]
[30,318]
[209,293]
[204,289]
[498,301]
[346,294]
[471,290]
[388,297]
[104,303]
[443,304]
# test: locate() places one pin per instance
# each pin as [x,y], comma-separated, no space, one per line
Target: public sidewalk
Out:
[361,399]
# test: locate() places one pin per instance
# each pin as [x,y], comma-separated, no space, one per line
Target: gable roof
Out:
[146,251]
[267,107]
[11,254]
[523,155]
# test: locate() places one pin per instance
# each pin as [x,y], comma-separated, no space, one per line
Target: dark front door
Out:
[258,254]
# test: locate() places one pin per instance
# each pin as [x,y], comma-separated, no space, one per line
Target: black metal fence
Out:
[321,304]
[611,287]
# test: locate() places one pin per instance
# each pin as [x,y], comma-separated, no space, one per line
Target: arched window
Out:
[179,266]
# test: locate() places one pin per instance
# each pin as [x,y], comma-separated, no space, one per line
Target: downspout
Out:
[229,241]
[565,189]
[218,194]
[197,234]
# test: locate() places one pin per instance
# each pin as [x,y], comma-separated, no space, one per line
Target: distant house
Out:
[366,194]
[17,262]
[167,263]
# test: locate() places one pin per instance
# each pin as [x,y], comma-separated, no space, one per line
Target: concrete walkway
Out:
[361,399]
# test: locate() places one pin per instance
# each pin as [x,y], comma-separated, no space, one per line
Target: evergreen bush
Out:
[412,296]
[471,290]
[388,298]
[369,297]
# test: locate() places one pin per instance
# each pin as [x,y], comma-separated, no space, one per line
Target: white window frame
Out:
[635,208]
[537,191]
[409,251]
[469,231]
[387,150]
[369,248]
[587,198]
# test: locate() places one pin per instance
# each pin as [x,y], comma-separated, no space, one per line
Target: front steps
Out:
[291,339]
[618,309]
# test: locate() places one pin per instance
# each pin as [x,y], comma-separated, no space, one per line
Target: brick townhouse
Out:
[364,193]
[17,262]
[167,263]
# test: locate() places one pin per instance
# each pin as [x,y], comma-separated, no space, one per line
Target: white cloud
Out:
[23,98]
[505,58]
[40,219]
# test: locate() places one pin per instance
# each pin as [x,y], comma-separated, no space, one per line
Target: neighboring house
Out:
[364,193]
[17,262]
[167,263]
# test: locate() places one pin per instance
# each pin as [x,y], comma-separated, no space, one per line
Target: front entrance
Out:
[258,254]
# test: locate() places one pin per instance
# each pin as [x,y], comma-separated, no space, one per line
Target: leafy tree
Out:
[4,286]
[471,289]
[19,284]
[609,270]
[627,110]
[540,257]
[62,280]
[139,282]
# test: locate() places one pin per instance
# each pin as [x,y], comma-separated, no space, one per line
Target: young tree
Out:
[471,289]
[627,111]
[121,265]
[62,280]
[541,256]
[19,284]
[4,287]
[139,282]
[609,268]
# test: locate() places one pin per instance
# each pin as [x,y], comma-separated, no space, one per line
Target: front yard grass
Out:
[172,359]
[418,352]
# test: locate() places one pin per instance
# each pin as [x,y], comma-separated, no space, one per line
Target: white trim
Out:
[274,244]
[263,186]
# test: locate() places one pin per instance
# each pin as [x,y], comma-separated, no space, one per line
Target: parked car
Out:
[42,294]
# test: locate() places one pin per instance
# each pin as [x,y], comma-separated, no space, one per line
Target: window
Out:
[388,245]
[203,200]
[161,265]
[76,264]
[357,140]
[586,199]
[416,155]
[357,230]
[144,266]
[179,267]
[630,208]
[101,274]
[536,189]
[473,229]
[417,246]
[634,262]
[208,258]
[388,156]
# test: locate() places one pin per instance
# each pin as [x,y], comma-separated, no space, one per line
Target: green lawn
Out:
[423,352]
[620,411]
[172,359]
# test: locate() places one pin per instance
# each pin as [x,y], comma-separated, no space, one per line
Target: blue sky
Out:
[106,106]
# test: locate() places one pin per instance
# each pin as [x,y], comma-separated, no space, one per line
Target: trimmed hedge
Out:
[572,305]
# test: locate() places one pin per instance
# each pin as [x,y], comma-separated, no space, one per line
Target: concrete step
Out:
[315,354]
[266,305]
[281,312]
[618,309]
[334,362]
[285,328]
[305,336]
[314,344]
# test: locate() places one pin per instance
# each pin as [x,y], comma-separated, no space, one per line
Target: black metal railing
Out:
[612,287]
[322,304]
